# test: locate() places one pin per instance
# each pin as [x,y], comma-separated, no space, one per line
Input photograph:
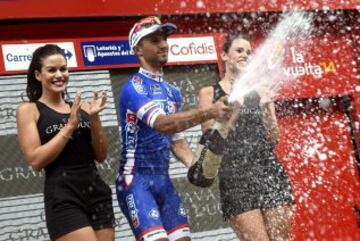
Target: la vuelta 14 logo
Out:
[299,66]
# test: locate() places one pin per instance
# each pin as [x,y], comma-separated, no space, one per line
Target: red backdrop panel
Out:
[22,9]
[317,152]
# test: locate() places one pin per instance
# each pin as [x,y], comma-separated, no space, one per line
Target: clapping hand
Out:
[74,117]
[97,103]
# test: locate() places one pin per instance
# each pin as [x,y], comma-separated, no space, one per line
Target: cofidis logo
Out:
[192,49]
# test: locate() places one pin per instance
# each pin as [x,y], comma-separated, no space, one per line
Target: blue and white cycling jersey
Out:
[143,98]
[144,190]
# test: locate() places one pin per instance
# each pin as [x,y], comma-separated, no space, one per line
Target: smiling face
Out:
[153,49]
[237,55]
[53,75]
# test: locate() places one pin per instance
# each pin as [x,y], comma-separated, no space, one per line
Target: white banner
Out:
[192,49]
[18,56]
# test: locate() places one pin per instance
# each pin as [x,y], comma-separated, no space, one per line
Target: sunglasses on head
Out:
[147,23]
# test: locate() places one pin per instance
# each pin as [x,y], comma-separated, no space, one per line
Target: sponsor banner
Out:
[109,53]
[18,56]
[299,62]
[97,53]
[192,49]
[319,67]
[115,52]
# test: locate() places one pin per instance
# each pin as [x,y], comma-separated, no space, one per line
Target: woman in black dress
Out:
[255,192]
[65,139]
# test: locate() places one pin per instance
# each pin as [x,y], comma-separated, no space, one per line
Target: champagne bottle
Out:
[208,155]
[209,152]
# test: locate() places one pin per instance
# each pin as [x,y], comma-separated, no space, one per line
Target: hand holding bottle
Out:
[222,110]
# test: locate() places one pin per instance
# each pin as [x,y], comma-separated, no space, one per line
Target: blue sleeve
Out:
[135,99]
[178,102]
[178,99]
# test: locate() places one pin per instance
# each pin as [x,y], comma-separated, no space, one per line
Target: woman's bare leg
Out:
[250,226]
[106,234]
[82,234]
[278,223]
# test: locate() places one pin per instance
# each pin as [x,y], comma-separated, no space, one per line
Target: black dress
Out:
[251,176]
[75,196]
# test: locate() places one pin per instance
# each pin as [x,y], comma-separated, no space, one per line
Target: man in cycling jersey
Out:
[151,119]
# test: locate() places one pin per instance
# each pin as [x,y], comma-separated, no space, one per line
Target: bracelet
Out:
[65,136]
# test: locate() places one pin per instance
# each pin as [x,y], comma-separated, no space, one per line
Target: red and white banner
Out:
[15,56]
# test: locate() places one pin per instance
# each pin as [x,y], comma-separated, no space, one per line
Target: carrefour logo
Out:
[18,56]
[11,57]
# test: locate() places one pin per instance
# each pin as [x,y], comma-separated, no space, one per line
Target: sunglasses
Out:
[147,23]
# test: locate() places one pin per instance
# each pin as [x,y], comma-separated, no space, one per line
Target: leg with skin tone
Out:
[82,234]
[250,226]
[278,223]
[106,234]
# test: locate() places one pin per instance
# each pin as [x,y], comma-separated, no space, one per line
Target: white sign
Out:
[191,49]
[18,56]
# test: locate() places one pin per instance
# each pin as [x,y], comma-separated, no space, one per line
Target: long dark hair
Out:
[230,40]
[34,88]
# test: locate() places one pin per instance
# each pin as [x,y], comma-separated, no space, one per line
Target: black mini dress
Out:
[250,176]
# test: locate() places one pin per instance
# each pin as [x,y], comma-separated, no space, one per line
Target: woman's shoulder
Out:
[27,110]
[27,107]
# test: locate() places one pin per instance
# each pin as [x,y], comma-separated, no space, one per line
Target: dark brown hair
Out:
[230,40]
[34,88]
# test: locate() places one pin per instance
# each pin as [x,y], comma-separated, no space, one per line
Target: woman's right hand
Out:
[266,94]
[74,118]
